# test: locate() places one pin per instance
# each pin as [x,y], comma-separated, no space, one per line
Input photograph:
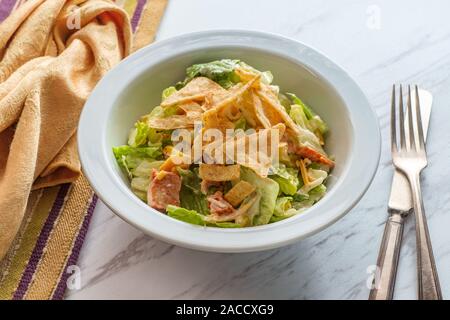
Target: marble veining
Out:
[378,43]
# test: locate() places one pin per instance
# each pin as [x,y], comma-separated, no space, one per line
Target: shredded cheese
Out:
[303,171]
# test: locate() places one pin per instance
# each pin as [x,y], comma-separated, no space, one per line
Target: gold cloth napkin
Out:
[52,54]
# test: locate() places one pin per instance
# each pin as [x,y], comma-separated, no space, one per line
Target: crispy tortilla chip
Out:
[217,172]
[239,192]
[191,106]
[274,110]
[233,94]
[247,108]
[218,116]
[174,122]
[195,90]
[256,151]
[259,112]
[218,121]
[244,75]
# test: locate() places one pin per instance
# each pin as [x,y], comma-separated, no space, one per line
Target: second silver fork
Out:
[409,156]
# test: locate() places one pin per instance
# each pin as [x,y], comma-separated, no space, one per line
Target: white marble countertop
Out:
[378,43]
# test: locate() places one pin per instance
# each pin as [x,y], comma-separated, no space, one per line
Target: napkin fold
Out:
[52,53]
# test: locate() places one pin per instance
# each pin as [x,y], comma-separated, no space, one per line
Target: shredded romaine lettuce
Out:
[160,112]
[304,201]
[298,115]
[267,189]
[266,76]
[314,121]
[138,135]
[140,184]
[318,192]
[193,217]
[283,209]
[190,195]
[285,102]
[167,92]
[183,214]
[144,169]
[241,123]
[129,157]
[220,71]
[308,137]
[317,177]
[141,177]
[287,179]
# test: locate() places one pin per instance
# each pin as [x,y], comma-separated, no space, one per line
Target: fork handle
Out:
[387,261]
[428,281]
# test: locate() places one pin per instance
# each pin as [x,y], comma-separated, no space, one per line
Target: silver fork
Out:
[410,158]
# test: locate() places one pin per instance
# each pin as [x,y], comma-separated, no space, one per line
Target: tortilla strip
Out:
[274,107]
[247,108]
[244,75]
[183,99]
[233,93]
[256,158]
[259,111]
[217,116]
[191,107]
[195,90]
[174,122]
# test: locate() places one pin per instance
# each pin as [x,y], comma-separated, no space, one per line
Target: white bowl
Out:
[134,87]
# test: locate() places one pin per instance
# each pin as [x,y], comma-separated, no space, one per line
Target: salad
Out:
[225,148]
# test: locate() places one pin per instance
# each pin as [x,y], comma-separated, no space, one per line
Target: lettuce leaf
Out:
[193,217]
[314,122]
[241,123]
[304,201]
[182,214]
[160,112]
[167,92]
[267,189]
[308,137]
[285,102]
[140,184]
[138,135]
[283,209]
[129,157]
[220,71]
[318,192]
[317,178]
[144,169]
[287,179]
[190,195]
[266,76]
[140,177]
[298,115]
[282,205]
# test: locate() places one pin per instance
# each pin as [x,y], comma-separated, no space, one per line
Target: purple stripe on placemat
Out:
[61,288]
[137,14]
[41,243]
[5,8]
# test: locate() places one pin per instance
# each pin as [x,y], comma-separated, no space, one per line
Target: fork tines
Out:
[411,140]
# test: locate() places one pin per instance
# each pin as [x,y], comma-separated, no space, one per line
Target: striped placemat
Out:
[44,254]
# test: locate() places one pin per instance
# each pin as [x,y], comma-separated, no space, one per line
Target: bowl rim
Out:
[120,199]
